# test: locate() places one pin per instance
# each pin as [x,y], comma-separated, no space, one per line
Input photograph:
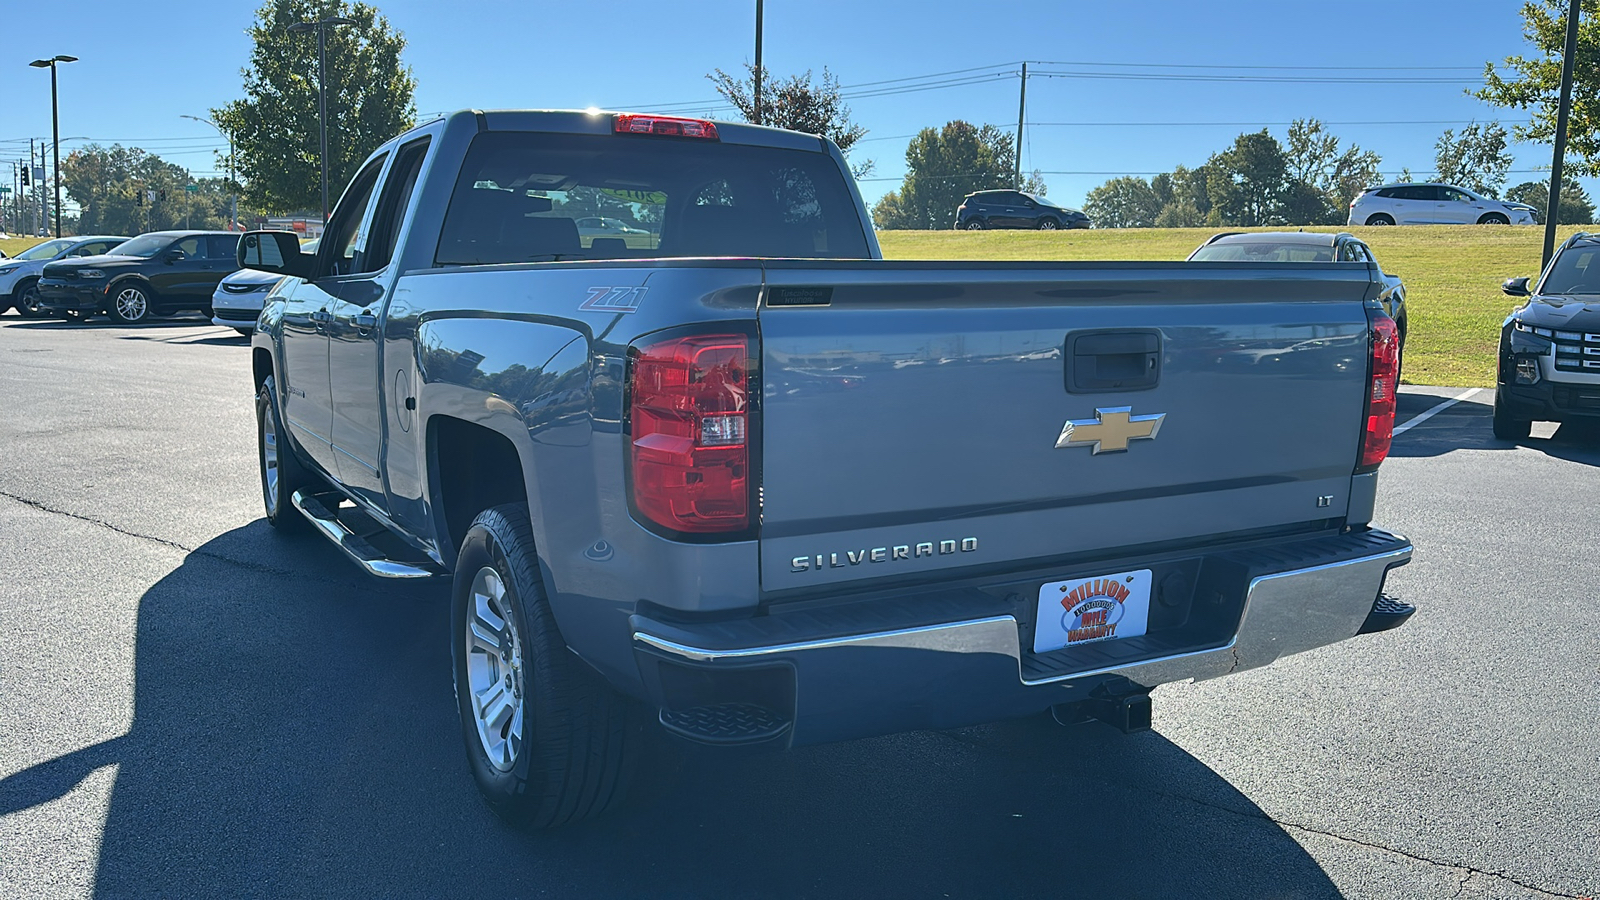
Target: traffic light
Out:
[163,195]
[25,176]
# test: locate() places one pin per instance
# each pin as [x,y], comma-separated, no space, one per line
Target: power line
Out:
[1255,79]
[1053,62]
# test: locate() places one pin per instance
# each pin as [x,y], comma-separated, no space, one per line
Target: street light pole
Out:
[757,116]
[55,124]
[321,27]
[233,189]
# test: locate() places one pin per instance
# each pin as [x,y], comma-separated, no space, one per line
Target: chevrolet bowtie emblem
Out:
[1110,429]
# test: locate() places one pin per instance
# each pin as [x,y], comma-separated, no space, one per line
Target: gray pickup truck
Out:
[729,475]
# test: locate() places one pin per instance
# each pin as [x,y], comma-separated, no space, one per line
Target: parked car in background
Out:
[1549,367]
[600,226]
[1434,204]
[154,274]
[1310,247]
[1015,209]
[20,275]
[238,299]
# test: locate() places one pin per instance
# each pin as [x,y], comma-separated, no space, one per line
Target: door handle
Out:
[322,317]
[364,319]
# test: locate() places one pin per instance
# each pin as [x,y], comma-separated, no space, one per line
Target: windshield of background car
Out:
[521,195]
[46,250]
[1575,271]
[1263,251]
[145,245]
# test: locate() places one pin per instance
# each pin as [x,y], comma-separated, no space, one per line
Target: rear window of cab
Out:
[542,197]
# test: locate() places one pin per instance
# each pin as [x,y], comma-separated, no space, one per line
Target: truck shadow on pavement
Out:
[1469,425]
[295,734]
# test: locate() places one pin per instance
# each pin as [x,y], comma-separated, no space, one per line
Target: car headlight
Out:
[1529,341]
[7,270]
[91,273]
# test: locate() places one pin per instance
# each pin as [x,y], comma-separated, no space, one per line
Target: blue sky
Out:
[142,67]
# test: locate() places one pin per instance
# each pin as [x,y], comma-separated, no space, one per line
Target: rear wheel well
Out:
[261,366]
[471,468]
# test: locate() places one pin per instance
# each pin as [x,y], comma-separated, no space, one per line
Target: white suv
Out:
[1434,204]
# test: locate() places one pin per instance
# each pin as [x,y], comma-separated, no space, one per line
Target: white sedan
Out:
[238,299]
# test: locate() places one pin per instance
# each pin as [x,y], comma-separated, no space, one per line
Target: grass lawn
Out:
[14,245]
[1452,275]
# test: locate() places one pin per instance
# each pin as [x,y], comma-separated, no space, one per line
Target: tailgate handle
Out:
[1100,361]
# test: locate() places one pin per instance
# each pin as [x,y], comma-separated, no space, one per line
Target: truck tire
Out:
[281,471]
[548,741]
[1508,427]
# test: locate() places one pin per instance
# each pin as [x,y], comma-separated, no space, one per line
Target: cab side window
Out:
[191,247]
[336,254]
[392,206]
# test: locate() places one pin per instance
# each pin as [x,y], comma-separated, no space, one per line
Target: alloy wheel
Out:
[131,304]
[269,460]
[494,669]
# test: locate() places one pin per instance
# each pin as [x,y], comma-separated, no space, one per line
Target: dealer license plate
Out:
[1088,610]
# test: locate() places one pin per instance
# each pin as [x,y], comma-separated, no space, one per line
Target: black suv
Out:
[1014,209]
[1550,345]
[154,274]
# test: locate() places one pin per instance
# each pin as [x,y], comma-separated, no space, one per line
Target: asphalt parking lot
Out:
[191,704]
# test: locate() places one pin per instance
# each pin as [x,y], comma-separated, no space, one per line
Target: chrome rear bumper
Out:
[975,670]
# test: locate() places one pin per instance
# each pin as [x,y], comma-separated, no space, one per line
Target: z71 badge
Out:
[614,299]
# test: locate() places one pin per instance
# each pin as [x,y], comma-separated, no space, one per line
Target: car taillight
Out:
[670,126]
[689,432]
[1382,387]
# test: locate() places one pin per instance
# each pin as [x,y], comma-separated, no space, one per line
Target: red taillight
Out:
[1381,391]
[690,432]
[672,126]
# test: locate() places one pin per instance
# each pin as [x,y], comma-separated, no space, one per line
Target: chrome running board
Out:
[324,511]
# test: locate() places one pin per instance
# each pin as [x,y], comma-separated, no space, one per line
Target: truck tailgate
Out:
[911,411]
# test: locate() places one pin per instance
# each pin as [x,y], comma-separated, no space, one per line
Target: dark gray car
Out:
[1308,247]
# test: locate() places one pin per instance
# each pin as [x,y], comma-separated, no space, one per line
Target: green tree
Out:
[943,165]
[1124,202]
[125,190]
[1033,183]
[1313,157]
[888,213]
[1576,207]
[797,104]
[1249,182]
[1533,83]
[1476,158]
[275,126]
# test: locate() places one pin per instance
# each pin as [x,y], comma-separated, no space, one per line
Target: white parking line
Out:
[1418,420]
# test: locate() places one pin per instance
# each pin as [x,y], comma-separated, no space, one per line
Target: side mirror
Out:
[174,255]
[277,252]
[1516,287]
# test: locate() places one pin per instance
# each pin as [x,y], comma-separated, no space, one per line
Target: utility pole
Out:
[758,63]
[33,195]
[1022,111]
[1562,114]
[321,28]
